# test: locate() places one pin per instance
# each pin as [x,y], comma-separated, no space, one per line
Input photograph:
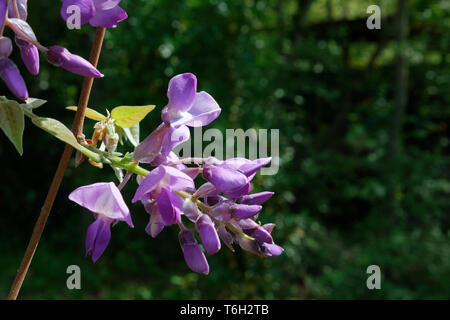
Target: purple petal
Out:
[86,7]
[3,7]
[190,210]
[269,227]
[192,172]
[149,149]
[204,110]
[271,249]
[255,198]
[21,7]
[221,211]
[30,55]
[239,192]
[181,93]
[224,179]
[262,235]
[5,47]
[105,4]
[169,205]
[155,224]
[14,81]
[251,168]
[61,57]
[149,183]
[173,138]
[103,198]
[108,18]
[225,236]
[177,180]
[243,211]
[193,254]
[208,234]
[97,238]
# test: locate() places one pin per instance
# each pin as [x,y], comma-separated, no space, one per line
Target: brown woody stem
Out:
[77,129]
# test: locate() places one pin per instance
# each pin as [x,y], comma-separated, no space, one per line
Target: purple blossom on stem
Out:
[193,254]
[98,13]
[61,57]
[186,107]
[106,202]
[14,81]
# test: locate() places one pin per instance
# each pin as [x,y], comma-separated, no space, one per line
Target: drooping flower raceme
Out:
[108,207]
[222,209]
[29,46]
[98,13]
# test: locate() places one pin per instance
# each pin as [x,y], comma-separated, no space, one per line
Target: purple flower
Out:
[61,57]
[193,254]
[98,13]
[160,185]
[14,81]
[106,202]
[233,176]
[29,54]
[210,239]
[255,198]
[186,107]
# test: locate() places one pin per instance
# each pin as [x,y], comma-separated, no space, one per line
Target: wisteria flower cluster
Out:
[13,14]
[221,210]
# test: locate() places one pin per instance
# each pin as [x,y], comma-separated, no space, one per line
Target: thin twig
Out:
[77,129]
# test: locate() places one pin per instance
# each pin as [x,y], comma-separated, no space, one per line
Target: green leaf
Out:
[57,129]
[90,113]
[61,132]
[33,103]
[12,122]
[127,116]
[132,134]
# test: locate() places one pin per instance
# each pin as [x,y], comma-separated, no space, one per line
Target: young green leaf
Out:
[127,116]
[61,132]
[90,113]
[12,122]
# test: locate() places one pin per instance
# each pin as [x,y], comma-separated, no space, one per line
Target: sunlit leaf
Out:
[127,116]
[90,113]
[12,122]
[57,129]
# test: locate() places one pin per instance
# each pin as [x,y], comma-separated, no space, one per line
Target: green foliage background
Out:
[311,69]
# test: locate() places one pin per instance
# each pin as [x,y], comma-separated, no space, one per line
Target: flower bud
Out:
[208,234]
[11,75]
[224,179]
[243,211]
[193,254]
[255,198]
[61,57]
[29,54]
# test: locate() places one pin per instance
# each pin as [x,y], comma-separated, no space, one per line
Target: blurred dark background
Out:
[364,146]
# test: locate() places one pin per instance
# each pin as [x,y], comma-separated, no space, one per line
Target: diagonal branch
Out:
[77,129]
